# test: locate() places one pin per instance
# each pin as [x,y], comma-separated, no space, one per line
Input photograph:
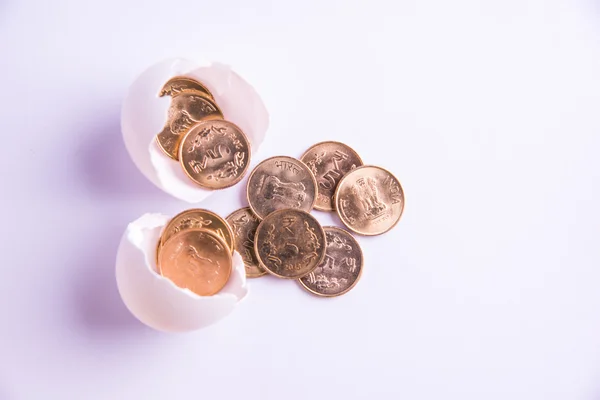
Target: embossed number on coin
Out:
[215,154]
[329,162]
[340,269]
[196,259]
[290,243]
[281,182]
[243,223]
[369,200]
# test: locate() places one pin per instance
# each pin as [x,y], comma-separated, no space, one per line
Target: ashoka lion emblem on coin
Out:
[365,189]
[369,200]
[281,182]
[292,194]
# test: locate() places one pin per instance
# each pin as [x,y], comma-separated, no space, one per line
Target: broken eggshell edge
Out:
[155,300]
[144,114]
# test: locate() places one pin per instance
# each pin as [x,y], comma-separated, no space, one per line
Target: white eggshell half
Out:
[144,114]
[157,301]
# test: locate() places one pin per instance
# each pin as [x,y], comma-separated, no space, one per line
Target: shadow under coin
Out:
[4,11]
[105,165]
[98,307]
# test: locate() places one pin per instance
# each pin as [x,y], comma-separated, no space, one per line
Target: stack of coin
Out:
[195,251]
[214,153]
[277,234]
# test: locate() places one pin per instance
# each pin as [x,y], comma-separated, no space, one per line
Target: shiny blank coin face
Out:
[199,219]
[369,200]
[215,154]
[197,260]
[281,182]
[243,223]
[186,109]
[340,269]
[329,162]
[179,84]
[290,243]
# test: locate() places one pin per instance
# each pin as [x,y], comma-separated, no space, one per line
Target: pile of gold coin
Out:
[195,251]
[277,234]
[214,153]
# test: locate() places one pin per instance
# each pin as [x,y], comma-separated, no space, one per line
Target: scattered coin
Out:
[329,162]
[290,243]
[186,109]
[180,84]
[243,223]
[369,200]
[281,182]
[215,154]
[198,218]
[340,269]
[196,259]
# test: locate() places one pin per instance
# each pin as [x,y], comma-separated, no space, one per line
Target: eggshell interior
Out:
[155,300]
[144,114]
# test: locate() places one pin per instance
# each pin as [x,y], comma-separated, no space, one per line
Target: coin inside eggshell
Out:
[187,109]
[154,299]
[145,112]
[198,218]
[179,84]
[196,259]
[215,154]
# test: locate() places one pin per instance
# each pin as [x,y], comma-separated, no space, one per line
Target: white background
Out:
[487,111]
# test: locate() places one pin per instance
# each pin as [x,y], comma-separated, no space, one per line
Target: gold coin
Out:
[290,243]
[341,268]
[215,154]
[196,259]
[281,182]
[329,162]
[197,218]
[369,200]
[243,223]
[186,109]
[179,84]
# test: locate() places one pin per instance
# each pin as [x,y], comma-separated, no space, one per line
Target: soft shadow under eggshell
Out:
[144,114]
[154,299]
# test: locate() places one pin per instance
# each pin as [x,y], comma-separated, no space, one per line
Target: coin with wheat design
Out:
[341,268]
[215,154]
[369,200]
[197,218]
[290,243]
[243,223]
[329,162]
[281,182]
[196,259]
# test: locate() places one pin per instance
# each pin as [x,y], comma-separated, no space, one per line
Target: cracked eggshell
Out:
[144,114]
[157,301]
